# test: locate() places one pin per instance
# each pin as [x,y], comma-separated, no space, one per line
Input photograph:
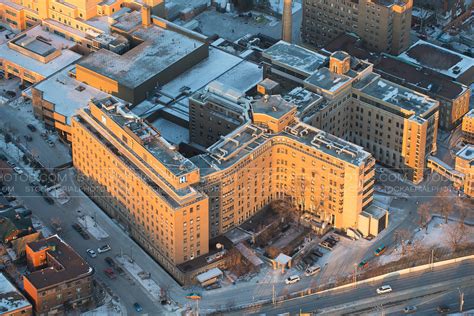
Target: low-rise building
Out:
[59,279]
[12,301]
[36,54]
[160,51]
[454,65]
[452,96]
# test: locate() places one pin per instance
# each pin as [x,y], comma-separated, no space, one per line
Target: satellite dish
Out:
[219,245]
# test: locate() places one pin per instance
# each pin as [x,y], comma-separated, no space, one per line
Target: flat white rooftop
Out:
[293,56]
[66,58]
[67,94]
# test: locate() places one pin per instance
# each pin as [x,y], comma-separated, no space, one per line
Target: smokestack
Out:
[287,22]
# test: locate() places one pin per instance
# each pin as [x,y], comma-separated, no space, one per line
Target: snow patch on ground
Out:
[134,270]
[438,233]
[92,227]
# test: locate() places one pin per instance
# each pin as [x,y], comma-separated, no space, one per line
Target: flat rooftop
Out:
[425,79]
[295,57]
[243,141]
[273,105]
[72,264]
[160,49]
[66,93]
[440,59]
[307,102]
[467,153]
[150,136]
[11,298]
[327,80]
[401,97]
[66,58]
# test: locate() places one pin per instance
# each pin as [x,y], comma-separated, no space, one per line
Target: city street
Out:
[410,285]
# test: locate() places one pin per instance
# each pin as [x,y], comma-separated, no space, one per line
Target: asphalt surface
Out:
[412,282]
[127,290]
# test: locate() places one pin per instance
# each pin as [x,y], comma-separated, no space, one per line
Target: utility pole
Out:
[432,259]
[273,295]
[461,300]
[355,275]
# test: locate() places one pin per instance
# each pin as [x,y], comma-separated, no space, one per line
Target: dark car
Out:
[48,200]
[28,138]
[3,157]
[110,261]
[443,309]
[31,127]
[77,227]
[85,235]
[318,253]
[137,307]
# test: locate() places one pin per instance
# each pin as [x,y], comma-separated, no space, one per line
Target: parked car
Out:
[18,170]
[363,264]
[85,235]
[91,253]
[104,248]
[28,138]
[318,253]
[57,227]
[50,143]
[380,250]
[138,308]
[292,279]
[31,127]
[44,135]
[48,199]
[384,289]
[443,309]
[110,261]
[3,157]
[77,227]
[312,270]
[110,273]
[11,163]
[326,245]
[410,309]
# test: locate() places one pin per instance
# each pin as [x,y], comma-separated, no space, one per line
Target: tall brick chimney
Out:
[287,28]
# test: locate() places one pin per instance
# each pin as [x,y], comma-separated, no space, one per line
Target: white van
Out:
[312,270]
[292,279]
[384,289]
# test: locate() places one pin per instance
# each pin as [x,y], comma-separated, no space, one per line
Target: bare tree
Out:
[456,235]
[424,212]
[443,202]
[401,236]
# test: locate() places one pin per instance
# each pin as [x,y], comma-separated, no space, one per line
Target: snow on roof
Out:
[213,273]
[300,59]
[443,60]
[101,23]
[282,259]
[160,49]
[467,152]
[399,96]
[170,131]
[242,77]
[57,41]
[327,80]
[66,58]
[63,91]
[201,74]
[10,298]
